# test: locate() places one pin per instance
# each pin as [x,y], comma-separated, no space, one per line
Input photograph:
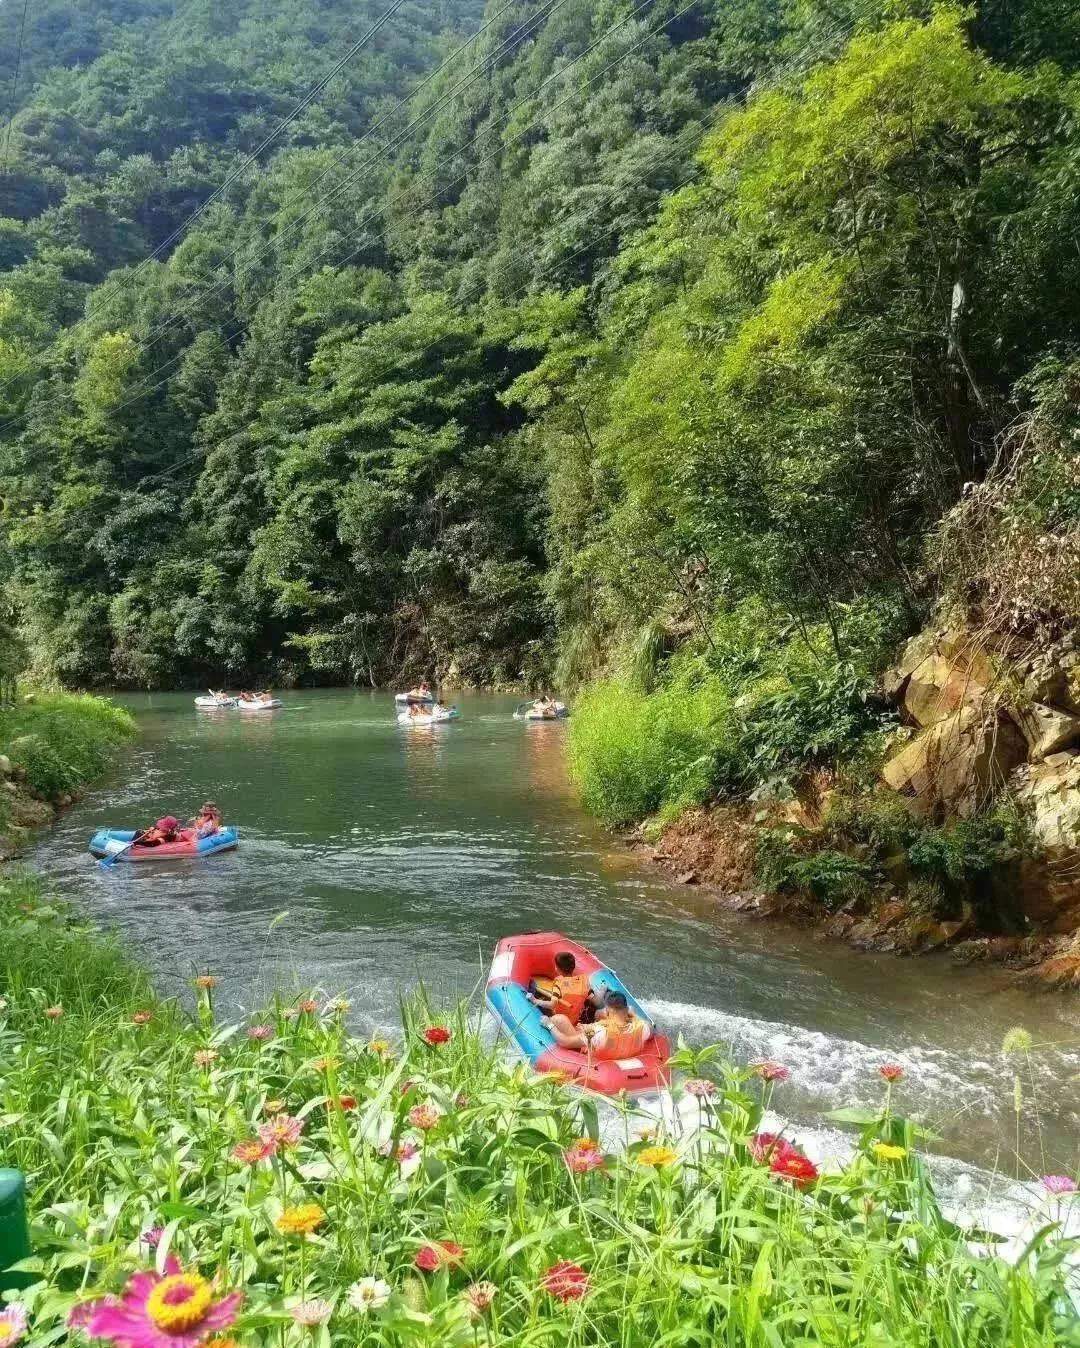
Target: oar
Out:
[107,863]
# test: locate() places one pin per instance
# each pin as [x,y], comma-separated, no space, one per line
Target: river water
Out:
[399,855]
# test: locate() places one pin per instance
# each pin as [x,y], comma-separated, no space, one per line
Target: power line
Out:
[222,341]
[15,85]
[545,11]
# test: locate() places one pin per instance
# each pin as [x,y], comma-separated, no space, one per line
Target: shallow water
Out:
[400,855]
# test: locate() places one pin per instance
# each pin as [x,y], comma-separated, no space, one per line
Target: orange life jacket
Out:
[572,991]
[624,1041]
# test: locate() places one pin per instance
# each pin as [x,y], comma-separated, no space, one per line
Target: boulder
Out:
[958,763]
[1051,791]
[938,673]
[1047,729]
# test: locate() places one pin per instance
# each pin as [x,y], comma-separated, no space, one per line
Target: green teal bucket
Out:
[14,1231]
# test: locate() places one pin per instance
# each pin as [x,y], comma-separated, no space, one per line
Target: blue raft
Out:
[108,842]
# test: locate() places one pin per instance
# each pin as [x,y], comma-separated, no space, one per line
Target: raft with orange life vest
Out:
[109,842]
[626,1063]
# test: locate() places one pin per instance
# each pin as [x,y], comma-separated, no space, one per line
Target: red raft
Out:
[521,959]
[108,842]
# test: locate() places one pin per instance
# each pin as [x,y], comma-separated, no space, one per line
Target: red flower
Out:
[792,1165]
[768,1070]
[435,1256]
[765,1145]
[891,1071]
[346,1101]
[566,1281]
[437,1034]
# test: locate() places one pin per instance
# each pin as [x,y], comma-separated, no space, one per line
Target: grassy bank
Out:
[54,744]
[431,1193]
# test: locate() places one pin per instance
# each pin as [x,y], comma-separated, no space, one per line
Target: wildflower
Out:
[260,1033]
[312,1313]
[435,1256]
[763,1145]
[290,1012]
[479,1296]
[301,1221]
[281,1131]
[142,1017]
[585,1144]
[425,1115]
[1017,1040]
[326,1064]
[437,1034]
[206,982]
[566,1281]
[205,1057]
[368,1294]
[221,1341]
[273,1107]
[580,1160]
[54,1012]
[770,1071]
[251,1151]
[339,1006]
[151,1237]
[176,1310]
[1059,1184]
[657,1157]
[885,1151]
[346,1102]
[891,1072]
[699,1086]
[308,1006]
[461,1101]
[792,1165]
[380,1047]
[12,1324]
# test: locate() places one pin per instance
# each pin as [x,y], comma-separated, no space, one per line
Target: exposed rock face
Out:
[1052,790]
[958,762]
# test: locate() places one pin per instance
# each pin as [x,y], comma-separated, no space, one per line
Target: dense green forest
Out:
[551,340]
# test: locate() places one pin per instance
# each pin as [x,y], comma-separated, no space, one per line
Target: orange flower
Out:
[54,1012]
[301,1221]
[142,1018]
[206,981]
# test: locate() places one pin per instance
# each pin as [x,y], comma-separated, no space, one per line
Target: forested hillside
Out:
[553,339]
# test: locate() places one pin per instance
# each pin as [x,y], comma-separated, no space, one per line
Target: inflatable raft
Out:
[414,699]
[433,717]
[213,703]
[519,960]
[107,842]
[260,704]
[528,711]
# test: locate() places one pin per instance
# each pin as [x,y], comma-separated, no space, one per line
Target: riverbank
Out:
[430,1191]
[52,745]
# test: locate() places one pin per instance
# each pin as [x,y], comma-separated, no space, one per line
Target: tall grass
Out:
[61,741]
[681,1238]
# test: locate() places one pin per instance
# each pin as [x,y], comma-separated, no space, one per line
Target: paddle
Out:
[107,863]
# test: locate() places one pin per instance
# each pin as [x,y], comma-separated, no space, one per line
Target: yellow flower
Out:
[326,1064]
[380,1047]
[179,1302]
[657,1157]
[301,1221]
[885,1151]
[274,1107]
[206,981]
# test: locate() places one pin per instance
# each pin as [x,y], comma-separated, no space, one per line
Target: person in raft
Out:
[166,830]
[618,1033]
[207,822]
[569,995]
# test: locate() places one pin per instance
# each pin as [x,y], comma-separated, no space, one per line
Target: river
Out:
[400,855]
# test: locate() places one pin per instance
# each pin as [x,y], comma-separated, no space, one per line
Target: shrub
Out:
[787,862]
[63,740]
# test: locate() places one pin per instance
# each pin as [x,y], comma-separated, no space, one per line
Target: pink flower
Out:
[282,1131]
[151,1237]
[54,1012]
[580,1160]
[260,1033]
[176,1310]
[479,1296]
[312,1313]
[699,1086]
[792,1165]
[406,1150]
[891,1071]
[12,1324]
[251,1151]
[763,1145]
[435,1256]
[425,1115]
[768,1070]
[437,1034]
[566,1281]
[1059,1184]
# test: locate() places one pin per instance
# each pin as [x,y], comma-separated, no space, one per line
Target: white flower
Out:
[310,1314]
[369,1294]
